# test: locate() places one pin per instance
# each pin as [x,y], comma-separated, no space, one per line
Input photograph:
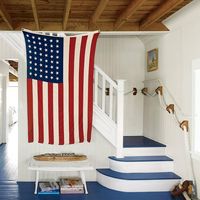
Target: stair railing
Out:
[171,109]
[104,86]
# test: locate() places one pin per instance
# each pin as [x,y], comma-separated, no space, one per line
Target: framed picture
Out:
[152,60]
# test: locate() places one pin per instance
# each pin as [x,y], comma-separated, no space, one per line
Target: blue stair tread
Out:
[141,158]
[138,176]
[140,142]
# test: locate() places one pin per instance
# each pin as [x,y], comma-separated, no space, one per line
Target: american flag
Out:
[60,87]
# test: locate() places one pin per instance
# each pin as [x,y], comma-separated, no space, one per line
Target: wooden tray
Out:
[60,157]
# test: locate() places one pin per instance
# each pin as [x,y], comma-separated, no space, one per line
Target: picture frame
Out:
[152,60]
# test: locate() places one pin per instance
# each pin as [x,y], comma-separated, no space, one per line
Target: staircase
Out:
[144,168]
[140,164]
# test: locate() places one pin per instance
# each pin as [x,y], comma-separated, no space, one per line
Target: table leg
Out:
[84,181]
[36,181]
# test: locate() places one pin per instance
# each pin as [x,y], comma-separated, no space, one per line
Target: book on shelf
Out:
[49,192]
[71,185]
[50,187]
[72,192]
[71,182]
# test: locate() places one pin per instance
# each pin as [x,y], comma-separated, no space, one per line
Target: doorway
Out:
[8,120]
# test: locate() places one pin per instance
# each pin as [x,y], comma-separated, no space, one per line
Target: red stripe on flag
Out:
[81,86]
[71,89]
[50,113]
[61,113]
[90,85]
[30,109]
[40,112]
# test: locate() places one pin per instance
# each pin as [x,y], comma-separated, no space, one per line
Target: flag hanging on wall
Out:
[60,87]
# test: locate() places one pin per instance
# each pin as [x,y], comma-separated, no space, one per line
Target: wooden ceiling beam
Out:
[6,17]
[128,12]
[82,26]
[35,14]
[156,27]
[163,9]
[71,26]
[66,14]
[97,13]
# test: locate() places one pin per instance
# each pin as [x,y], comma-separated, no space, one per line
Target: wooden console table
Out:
[64,166]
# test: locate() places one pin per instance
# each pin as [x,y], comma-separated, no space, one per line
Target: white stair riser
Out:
[136,185]
[137,167]
[149,151]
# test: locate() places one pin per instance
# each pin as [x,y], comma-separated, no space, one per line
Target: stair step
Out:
[140,142]
[144,151]
[137,182]
[143,164]
[139,176]
[141,158]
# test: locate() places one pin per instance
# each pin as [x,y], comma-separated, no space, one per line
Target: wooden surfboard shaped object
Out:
[60,157]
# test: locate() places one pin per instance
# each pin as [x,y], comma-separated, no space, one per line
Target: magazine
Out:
[71,182]
[48,186]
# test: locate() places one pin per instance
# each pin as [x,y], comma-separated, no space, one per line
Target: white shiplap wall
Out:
[123,58]
[7,51]
[120,57]
[177,50]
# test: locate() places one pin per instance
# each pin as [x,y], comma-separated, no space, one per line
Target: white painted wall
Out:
[6,52]
[4,79]
[97,151]
[122,57]
[177,50]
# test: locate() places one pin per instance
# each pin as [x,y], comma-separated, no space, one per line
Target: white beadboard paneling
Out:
[7,51]
[123,58]
[177,50]
[97,151]
[120,57]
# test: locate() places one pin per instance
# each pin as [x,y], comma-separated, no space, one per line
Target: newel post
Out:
[120,118]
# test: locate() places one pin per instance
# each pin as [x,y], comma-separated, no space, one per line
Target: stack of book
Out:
[48,188]
[72,185]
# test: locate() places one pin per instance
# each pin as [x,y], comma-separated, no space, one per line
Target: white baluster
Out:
[95,87]
[111,101]
[103,93]
[120,118]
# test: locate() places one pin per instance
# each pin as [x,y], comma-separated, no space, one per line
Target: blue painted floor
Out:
[10,190]
[24,191]
[140,141]
[9,155]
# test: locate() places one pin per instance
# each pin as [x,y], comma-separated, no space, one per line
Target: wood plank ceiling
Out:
[14,65]
[84,15]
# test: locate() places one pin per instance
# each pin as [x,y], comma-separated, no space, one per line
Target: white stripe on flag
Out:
[85,89]
[76,89]
[66,89]
[45,112]
[35,110]
[55,114]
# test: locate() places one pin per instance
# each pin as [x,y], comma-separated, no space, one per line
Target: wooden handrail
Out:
[184,125]
[144,91]
[159,89]
[170,108]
